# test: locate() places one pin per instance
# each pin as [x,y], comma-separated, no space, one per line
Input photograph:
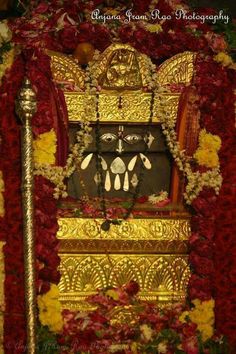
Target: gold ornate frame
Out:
[138,245]
[178,69]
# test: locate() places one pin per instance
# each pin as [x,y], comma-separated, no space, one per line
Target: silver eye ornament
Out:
[108,138]
[132,138]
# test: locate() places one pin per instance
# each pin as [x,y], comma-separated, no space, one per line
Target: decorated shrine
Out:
[117,178]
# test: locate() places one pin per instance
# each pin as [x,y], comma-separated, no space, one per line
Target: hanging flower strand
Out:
[196,181]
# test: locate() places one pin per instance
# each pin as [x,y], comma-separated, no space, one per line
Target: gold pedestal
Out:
[152,252]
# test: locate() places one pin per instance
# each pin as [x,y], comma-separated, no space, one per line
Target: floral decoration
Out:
[202,314]
[224,59]
[215,219]
[207,152]
[161,199]
[11,223]
[50,309]
[2,189]
[142,328]
[45,148]
[196,180]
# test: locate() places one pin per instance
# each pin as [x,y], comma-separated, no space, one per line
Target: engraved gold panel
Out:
[135,107]
[65,69]
[80,106]
[177,70]
[121,66]
[123,246]
[151,251]
[134,229]
[162,278]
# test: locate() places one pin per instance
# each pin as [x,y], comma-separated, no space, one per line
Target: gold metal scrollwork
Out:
[162,278]
[26,107]
[134,229]
[177,70]
[135,104]
[65,69]
[150,251]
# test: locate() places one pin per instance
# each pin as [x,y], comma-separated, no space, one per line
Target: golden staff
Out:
[25,108]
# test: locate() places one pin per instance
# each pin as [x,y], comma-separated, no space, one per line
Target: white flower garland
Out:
[196,181]
[58,174]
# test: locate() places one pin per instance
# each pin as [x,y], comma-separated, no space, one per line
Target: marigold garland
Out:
[50,309]
[45,148]
[203,315]
[207,152]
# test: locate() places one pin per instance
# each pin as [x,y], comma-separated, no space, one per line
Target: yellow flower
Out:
[7,58]
[153,28]
[112,12]
[147,332]
[209,141]
[2,188]
[223,58]
[203,316]
[162,348]
[207,158]
[206,331]
[50,309]
[183,316]
[5,32]
[113,294]
[134,348]
[209,304]
[209,145]
[45,148]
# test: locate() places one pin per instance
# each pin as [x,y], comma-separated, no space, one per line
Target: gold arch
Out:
[65,69]
[80,104]
[177,70]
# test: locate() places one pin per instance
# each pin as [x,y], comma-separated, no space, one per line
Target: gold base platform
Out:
[152,252]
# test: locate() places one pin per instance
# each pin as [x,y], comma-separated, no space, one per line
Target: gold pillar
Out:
[26,107]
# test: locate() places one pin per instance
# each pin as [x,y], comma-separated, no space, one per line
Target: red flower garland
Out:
[216,86]
[46,118]
[11,224]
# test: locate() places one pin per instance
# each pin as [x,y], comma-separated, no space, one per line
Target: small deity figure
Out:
[122,71]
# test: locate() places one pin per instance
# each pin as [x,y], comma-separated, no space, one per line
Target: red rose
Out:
[141,6]
[126,34]
[132,288]
[189,330]
[202,266]
[202,247]
[204,226]
[49,274]
[142,199]
[101,38]
[199,287]
[41,8]
[68,37]
[190,345]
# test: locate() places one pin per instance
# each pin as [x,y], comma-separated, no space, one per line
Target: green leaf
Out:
[77,213]
[126,205]
[99,334]
[46,341]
